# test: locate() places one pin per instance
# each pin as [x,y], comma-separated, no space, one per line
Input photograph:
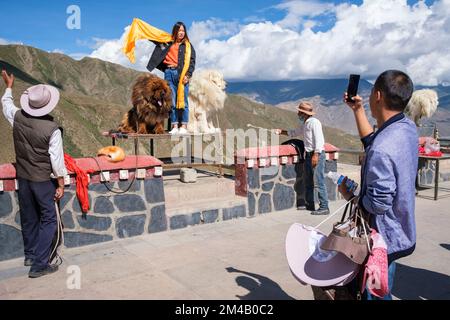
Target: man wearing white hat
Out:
[39,158]
[315,157]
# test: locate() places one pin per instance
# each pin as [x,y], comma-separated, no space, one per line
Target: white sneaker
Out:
[174,130]
[182,131]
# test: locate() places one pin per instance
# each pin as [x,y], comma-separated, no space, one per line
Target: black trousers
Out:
[38,220]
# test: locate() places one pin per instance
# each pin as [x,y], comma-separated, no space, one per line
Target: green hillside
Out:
[95,94]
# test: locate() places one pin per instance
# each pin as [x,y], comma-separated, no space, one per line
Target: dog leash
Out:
[358,215]
[249,125]
[334,213]
[60,234]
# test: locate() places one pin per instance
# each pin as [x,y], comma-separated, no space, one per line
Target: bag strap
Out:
[334,213]
[363,225]
[348,207]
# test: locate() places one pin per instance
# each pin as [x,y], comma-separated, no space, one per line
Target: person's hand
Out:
[185,79]
[315,160]
[343,190]
[356,104]
[280,132]
[59,193]
[9,79]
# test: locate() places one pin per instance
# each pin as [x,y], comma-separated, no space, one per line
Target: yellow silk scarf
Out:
[141,30]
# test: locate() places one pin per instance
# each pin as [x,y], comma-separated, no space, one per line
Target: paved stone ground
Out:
[192,263]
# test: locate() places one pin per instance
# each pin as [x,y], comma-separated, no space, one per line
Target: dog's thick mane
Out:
[423,103]
[204,88]
[152,102]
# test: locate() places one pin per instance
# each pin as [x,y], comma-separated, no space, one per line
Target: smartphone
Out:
[352,89]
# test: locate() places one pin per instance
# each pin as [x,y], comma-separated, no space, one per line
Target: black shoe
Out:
[28,262]
[310,208]
[301,208]
[39,273]
[320,212]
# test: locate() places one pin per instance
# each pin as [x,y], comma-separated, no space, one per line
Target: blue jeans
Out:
[316,175]
[38,220]
[177,115]
[391,276]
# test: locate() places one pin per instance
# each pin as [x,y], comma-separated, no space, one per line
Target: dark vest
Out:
[31,142]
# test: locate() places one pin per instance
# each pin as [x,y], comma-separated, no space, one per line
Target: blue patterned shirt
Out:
[388,183]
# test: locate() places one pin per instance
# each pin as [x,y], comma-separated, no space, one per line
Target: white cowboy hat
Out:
[311,265]
[39,100]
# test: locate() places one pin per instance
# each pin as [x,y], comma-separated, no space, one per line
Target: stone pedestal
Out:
[188,175]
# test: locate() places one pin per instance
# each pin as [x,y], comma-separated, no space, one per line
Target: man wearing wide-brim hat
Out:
[314,158]
[40,169]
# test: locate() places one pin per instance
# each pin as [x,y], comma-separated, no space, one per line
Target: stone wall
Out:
[207,216]
[269,179]
[111,215]
[114,216]
[272,178]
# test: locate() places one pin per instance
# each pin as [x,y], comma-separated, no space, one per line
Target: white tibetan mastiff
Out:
[423,104]
[206,94]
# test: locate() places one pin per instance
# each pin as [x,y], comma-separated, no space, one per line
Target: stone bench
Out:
[111,216]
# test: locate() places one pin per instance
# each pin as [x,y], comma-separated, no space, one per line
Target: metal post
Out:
[436,180]
[152,147]
[169,124]
[189,149]
[136,146]
[219,149]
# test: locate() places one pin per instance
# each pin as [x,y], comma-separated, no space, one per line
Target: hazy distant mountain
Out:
[327,96]
[275,92]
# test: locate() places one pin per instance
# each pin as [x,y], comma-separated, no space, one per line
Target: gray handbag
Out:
[350,236]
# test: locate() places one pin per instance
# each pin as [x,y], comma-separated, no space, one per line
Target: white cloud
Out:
[111,50]
[212,28]
[367,39]
[57,51]
[78,56]
[430,69]
[297,10]
[6,42]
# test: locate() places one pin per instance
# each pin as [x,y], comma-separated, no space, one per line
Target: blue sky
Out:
[254,39]
[42,24]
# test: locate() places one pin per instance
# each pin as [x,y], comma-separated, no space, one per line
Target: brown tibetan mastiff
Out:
[152,103]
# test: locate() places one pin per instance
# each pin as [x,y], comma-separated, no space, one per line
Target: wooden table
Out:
[436,177]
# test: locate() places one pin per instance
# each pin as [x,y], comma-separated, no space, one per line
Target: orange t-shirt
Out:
[172,56]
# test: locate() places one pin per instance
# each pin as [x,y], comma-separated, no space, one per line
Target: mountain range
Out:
[95,94]
[326,94]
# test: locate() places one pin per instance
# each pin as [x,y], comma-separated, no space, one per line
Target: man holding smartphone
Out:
[390,166]
[314,159]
